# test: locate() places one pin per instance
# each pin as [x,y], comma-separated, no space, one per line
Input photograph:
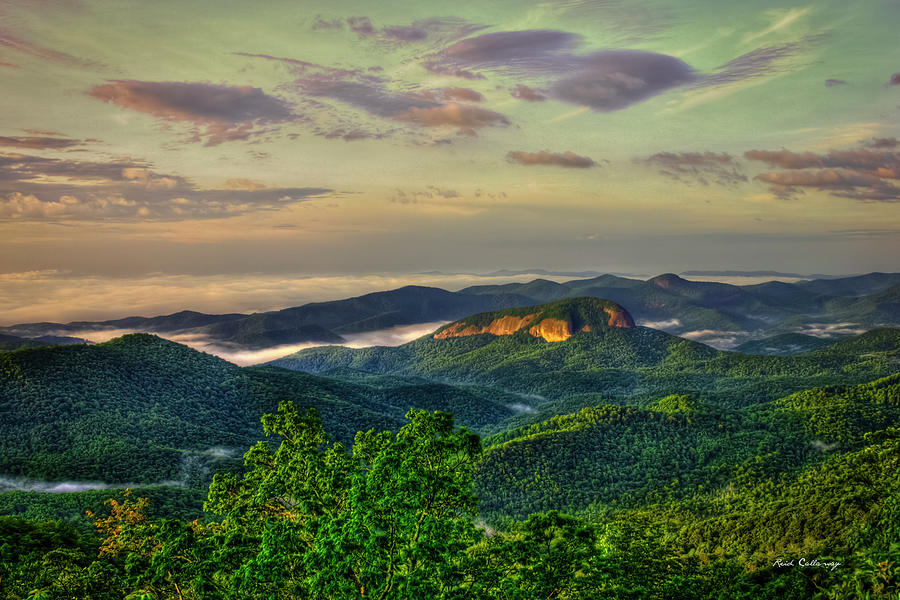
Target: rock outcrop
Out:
[553,322]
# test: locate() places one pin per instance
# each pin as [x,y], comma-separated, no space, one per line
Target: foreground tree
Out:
[392,519]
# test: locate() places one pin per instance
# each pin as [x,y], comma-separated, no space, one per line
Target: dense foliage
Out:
[395,518]
[622,463]
[139,409]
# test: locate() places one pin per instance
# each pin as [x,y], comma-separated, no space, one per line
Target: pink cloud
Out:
[559,159]
[227,112]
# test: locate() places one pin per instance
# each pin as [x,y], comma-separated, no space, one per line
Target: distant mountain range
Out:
[722,314]
[566,355]
[143,409]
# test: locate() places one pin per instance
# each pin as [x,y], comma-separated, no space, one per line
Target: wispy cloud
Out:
[218,113]
[432,30]
[12,41]
[780,20]
[39,142]
[700,167]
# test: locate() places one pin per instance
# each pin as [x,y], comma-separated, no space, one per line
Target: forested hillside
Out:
[613,364]
[140,409]
[614,456]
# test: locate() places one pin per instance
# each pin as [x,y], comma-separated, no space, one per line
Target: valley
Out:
[579,408]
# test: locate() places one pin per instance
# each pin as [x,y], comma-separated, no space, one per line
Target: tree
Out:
[392,519]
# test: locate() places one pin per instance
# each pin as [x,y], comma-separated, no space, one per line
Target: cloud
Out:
[322,23]
[615,79]
[748,70]
[722,340]
[57,487]
[822,179]
[225,112]
[856,173]
[605,81]
[452,114]
[429,193]
[392,336]
[563,159]
[830,330]
[351,134]
[363,90]
[834,82]
[95,205]
[780,20]
[820,445]
[405,34]
[438,68]
[124,190]
[369,95]
[760,62]
[11,41]
[701,167]
[454,93]
[523,92]
[435,29]
[840,182]
[429,108]
[20,167]
[851,159]
[527,49]
[244,184]
[884,143]
[664,325]
[361,26]
[39,143]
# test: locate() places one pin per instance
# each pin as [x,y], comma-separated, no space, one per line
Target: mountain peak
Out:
[553,322]
[667,280]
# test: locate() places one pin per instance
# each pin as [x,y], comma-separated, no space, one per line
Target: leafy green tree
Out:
[389,520]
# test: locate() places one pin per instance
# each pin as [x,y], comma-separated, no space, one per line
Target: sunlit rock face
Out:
[502,326]
[619,318]
[552,330]
[554,322]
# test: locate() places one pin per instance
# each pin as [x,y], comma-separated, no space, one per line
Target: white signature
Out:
[831,565]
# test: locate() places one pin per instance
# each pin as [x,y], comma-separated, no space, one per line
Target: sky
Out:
[156,156]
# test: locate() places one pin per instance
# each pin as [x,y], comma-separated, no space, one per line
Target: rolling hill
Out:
[140,409]
[682,453]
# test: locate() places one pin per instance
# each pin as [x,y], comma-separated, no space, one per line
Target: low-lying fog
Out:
[393,336]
